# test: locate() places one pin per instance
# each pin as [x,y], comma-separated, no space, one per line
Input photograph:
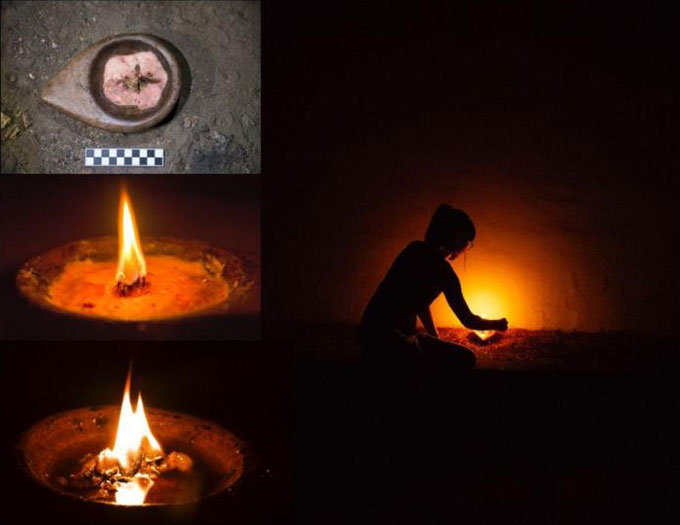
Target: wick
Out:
[128,289]
[139,81]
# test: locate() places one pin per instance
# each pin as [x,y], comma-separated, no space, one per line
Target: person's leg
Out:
[390,349]
[446,354]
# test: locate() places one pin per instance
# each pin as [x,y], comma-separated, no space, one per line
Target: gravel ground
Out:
[515,350]
[551,350]
[216,128]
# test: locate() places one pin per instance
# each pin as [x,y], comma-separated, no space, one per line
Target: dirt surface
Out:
[216,127]
[551,350]
[515,350]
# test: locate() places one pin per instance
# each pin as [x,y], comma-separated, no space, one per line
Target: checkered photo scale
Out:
[123,157]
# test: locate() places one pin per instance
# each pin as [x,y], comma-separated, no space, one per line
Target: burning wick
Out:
[135,462]
[134,441]
[131,274]
[170,279]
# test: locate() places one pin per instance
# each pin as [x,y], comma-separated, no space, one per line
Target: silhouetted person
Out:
[417,276]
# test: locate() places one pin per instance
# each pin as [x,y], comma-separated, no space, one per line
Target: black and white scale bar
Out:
[124,157]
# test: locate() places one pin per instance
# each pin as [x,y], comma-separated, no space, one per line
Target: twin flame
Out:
[131,264]
[134,443]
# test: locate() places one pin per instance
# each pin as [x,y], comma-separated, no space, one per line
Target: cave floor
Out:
[550,427]
[519,349]
[515,350]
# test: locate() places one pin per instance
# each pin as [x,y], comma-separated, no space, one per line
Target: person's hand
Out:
[502,324]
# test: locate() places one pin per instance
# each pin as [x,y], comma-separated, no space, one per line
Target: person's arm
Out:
[454,296]
[426,318]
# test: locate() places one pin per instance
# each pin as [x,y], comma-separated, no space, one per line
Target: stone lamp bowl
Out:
[78,89]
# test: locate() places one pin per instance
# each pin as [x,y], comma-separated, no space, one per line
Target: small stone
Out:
[54,45]
[31,76]
[177,461]
[219,138]
[5,120]
[247,121]
[187,123]
[25,120]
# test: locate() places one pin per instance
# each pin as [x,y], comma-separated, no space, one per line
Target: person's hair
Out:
[449,227]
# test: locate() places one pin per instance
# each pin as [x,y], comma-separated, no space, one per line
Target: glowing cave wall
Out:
[551,127]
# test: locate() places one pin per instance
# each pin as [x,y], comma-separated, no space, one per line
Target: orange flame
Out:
[131,263]
[487,306]
[134,442]
[135,491]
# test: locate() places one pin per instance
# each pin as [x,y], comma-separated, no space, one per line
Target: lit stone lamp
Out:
[487,306]
[128,280]
[120,456]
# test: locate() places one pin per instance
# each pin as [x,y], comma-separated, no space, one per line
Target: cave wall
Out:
[550,125]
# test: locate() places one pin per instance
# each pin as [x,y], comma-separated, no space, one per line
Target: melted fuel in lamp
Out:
[156,279]
[72,453]
[125,290]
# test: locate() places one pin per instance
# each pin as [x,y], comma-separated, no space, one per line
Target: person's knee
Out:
[471,359]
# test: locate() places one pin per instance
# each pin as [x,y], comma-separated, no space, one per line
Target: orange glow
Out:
[484,334]
[486,305]
[493,289]
[134,443]
[131,263]
[135,491]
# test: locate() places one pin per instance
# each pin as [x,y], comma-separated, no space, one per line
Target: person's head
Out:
[450,231]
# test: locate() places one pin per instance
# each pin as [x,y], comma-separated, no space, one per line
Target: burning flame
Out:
[134,492]
[131,264]
[485,305]
[134,442]
[484,334]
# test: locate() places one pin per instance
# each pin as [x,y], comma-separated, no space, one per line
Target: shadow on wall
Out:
[570,254]
[562,255]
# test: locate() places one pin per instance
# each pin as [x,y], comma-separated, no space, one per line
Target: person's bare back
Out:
[416,278]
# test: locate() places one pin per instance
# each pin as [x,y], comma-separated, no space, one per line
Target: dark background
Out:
[41,212]
[373,112]
[553,125]
[244,387]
